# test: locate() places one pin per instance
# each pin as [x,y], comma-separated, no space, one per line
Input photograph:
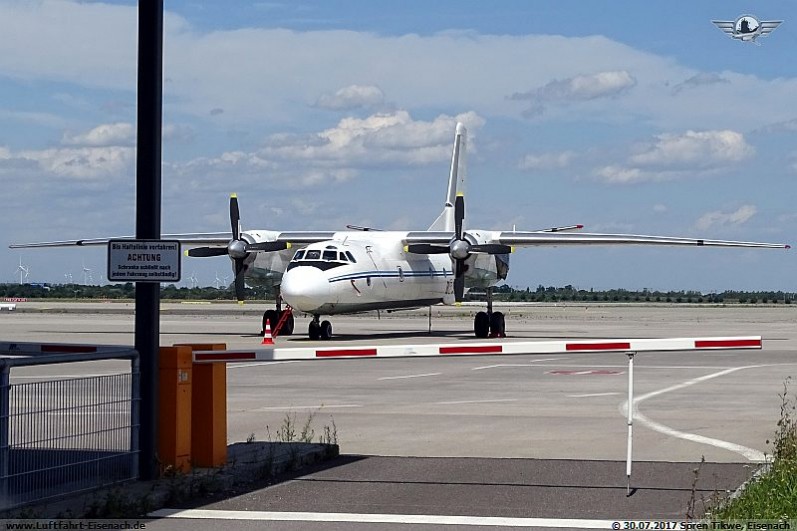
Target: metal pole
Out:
[148,219]
[630,421]
[430,319]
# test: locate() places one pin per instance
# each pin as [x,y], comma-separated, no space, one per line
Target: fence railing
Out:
[70,430]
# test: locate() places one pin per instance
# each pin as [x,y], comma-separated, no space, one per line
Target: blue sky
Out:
[631,117]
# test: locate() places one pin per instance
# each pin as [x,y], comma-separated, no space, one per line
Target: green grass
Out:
[773,494]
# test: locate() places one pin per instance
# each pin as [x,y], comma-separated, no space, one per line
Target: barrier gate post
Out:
[209,409]
[630,421]
[174,427]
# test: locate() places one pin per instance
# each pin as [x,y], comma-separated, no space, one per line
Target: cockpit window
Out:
[343,257]
[313,255]
[351,257]
[330,255]
[299,254]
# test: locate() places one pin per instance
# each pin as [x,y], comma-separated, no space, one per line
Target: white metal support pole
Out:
[630,420]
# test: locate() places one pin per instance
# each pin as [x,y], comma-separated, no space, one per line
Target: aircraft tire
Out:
[272,317]
[497,325]
[314,331]
[481,325]
[326,330]
[288,326]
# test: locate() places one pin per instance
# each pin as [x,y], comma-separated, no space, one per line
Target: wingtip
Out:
[788,247]
[579,226]
[233,196]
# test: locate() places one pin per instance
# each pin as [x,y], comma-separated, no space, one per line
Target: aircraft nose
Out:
[305,288]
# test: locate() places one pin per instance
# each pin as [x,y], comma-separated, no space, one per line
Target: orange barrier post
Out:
[209,410]
[174,422]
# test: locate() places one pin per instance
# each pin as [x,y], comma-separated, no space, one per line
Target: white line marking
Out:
[592,394]
[486,401]
[498,366]
[411,376]
[749,453]
[290,408]
[417,519]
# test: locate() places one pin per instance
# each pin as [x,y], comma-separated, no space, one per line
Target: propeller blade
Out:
[426,248]
[235,217]
[459,285]
[202,252]
[240,291]
[459,216]
[267,246]
[491,248]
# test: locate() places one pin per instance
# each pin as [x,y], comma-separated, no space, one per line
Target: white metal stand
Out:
[630,420]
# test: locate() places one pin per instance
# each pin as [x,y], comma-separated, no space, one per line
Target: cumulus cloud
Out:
[718,218]
[104,152]
[393,138]
[547,161]
[86,163]
[578,88]
[701,79]
[673,156]
[352,97]
[339,153]
[117,134]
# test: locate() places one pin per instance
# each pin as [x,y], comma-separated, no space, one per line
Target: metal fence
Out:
[65,433]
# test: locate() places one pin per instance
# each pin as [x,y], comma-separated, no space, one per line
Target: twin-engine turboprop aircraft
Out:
[363,269]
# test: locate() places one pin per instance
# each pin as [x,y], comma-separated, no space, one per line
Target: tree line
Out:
[504,292]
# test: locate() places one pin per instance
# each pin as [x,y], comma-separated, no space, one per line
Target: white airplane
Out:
[364,269]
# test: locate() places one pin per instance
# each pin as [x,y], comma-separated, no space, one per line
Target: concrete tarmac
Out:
[560,409]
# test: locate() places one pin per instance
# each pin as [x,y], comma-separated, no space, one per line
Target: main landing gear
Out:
[322,330]
[489,323]
[273,317]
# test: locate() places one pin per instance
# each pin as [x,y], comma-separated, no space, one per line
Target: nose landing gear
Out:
[319,330]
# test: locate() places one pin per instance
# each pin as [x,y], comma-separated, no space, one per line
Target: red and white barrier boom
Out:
[628,346]
[464,349]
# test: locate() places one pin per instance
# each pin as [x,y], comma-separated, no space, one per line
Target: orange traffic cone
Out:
[267,339]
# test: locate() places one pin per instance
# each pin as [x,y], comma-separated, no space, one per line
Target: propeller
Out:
[238,249]
[459,248]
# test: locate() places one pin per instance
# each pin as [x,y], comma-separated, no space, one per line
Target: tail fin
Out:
[456,181]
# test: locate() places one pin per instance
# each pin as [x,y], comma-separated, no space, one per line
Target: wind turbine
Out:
[86,275]
[193,279]
[218,281]
[24,271]
[68,277]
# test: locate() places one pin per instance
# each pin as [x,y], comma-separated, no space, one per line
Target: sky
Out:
[624,116]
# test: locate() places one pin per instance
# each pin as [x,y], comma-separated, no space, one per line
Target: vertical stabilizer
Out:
[456,181]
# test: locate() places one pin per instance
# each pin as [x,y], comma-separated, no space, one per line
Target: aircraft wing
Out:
[534,239]
[444,237]
[201,238]
[220,239]
[305,237]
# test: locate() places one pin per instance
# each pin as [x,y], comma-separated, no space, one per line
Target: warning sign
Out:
[144,261]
